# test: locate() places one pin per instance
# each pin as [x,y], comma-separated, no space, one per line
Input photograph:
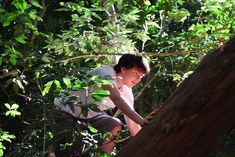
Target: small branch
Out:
[167,54]
[121,140]
[154,54]
[13,72]
[4,91]
[43,11]
[117,113]
[39,87]
[44,131]
[145,32]
[144,87]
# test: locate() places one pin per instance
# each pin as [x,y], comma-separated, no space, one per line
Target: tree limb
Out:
[153,54]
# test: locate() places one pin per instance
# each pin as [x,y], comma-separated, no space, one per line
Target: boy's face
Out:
[131,76]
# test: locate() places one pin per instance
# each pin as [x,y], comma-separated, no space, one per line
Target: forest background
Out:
[47,47]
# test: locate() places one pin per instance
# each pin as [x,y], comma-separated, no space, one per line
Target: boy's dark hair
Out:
[132,60]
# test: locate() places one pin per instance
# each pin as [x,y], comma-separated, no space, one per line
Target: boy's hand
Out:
[145,121]
[151,115]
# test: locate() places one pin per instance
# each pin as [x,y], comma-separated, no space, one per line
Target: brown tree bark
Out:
[196,116]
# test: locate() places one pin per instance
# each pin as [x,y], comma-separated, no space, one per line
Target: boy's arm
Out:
[123,106]
[132,126]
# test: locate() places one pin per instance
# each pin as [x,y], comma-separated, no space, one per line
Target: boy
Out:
[124,75]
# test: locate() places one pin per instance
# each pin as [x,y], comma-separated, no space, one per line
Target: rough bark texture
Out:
[196,117]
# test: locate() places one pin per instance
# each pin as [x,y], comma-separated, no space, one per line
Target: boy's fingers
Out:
[152,114]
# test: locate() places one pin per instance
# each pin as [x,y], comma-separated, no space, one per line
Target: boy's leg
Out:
[108,144]
[105,123]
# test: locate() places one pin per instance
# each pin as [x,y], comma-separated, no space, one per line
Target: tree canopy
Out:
[47,47]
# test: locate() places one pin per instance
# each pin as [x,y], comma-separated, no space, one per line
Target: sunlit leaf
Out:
[9,17]
[57,83]
[47,87]
[21,39]
[14,106]
[1,152]
[101,92]
[67,82]
[8,106]
[0,61]
[143,37]
[36,4]
[147,2]
[33,14]
[92,129]
[179,15]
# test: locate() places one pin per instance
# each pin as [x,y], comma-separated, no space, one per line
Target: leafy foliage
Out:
[47,47]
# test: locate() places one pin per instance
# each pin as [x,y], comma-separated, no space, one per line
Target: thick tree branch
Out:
[153,54]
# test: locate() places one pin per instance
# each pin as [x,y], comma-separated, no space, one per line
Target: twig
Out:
[144,87]
[13,72]
[121,140]
[44,131]
[4,91]
[157,54]
[43,11]
[146,84]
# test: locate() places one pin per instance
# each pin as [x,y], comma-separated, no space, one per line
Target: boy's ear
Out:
[123,69]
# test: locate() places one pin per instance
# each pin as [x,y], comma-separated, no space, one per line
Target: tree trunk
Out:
[196,116]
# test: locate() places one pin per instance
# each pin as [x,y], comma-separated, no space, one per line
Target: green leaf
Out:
[8,18]
[92,129]
[32,14]
[7,137]
[0,61]
[105,135]
[36,4]
[147,2]
[109,3]
[62,3]
[31,26]
[22,5]
[106,82]
[47,87]
[57,83]
[93,107]
[1,152]
[13,113]
[67,82]
[2,10]
[179,15]
[80,84]
[21,39]
[8,105]
[74,17]
[143,37]
[198,28]
[97,97]
[14,106]
[8,113]
[13,59]
[101,92]
[94,77]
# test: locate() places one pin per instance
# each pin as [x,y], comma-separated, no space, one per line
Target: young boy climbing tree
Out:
[123,76]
